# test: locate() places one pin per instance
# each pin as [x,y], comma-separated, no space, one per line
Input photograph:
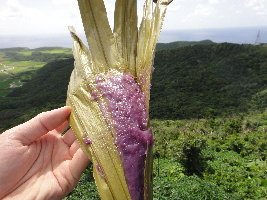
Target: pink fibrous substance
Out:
[86,140]
[94,95]
[126,104]
[100,171]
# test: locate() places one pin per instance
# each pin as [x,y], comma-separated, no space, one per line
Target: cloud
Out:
[63,2]
[14,9]
[214,1]
[203,10]
[175,6]
[14,15]
[259,6]
[53,16]
[17,18]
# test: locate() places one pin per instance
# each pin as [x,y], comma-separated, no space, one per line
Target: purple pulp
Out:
[126,104]
[86,140]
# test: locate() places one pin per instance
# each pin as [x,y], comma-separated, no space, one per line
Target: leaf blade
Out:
[126,31]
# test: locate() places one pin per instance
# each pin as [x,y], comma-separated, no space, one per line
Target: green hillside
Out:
[208,111]
[217,79]
[174,45]
[46,90]
[189,82]
[17,65]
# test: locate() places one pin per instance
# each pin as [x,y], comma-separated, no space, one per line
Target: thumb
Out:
[38,126]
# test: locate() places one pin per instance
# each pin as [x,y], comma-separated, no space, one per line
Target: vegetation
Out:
[46,90]
[175,45]
[208,110]
[208,80]
[227,153]
[223,158]
[17,65]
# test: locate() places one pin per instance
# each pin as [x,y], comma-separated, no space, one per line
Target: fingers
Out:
[78,163]
[69,137]
[74,148]
[40,125]
[62,127]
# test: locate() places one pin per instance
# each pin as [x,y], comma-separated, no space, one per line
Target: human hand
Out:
[37,162]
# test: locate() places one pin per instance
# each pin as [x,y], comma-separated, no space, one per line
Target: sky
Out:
[44,17]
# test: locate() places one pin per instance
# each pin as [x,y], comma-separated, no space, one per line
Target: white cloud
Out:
[252,3]
[214,1]
[14,16]
[259,6]
[17,18]
[203,10]
[175,6]
[238,12]
[53,16]
[63,2]
[14,9]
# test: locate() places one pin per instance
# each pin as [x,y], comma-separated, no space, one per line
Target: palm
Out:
[49,167]
[52,165]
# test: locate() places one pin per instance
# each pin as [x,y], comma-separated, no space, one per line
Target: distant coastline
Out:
[244,35]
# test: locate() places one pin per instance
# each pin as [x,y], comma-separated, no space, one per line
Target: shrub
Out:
[86,188]
[188,188]
[233,126]
[235,175]
[187,151]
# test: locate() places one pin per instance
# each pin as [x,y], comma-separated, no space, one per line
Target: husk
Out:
[126,50]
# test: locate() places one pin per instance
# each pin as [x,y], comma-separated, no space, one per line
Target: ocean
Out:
[244,35]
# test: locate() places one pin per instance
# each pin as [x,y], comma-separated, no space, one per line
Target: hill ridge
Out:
[189,82]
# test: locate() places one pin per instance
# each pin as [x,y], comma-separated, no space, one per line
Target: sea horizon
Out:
[241,35]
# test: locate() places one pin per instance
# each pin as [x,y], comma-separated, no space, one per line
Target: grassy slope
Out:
[195,159]
[193,81]
[200,81]
[174,45]
[20,63]
[219,159]
[46,90]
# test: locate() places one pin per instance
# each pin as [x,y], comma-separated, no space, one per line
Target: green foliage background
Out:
[208,80]
[208,110]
